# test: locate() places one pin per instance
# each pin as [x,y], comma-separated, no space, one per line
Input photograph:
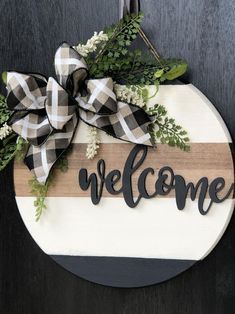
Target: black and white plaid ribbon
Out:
[46,112]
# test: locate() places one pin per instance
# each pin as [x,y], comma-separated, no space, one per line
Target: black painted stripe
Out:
[123,271]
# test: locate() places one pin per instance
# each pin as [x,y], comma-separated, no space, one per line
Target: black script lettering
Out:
[85,181]
[142,183]
[216,186]
[165,182]
[112,178]
[161,186]
[182,190]
[129,169]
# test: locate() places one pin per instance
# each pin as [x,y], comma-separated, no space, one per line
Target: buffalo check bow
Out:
[46,112]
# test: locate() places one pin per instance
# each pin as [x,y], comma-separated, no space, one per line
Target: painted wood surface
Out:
[203,33]
[117,242]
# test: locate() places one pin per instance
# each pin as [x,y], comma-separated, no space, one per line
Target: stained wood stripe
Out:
[211,160]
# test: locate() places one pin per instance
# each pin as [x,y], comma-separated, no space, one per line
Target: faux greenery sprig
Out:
[163,128]
[166,129]
[40,191]
[111,55]
[11,145]
[130,67]
[4,111]
[8,150]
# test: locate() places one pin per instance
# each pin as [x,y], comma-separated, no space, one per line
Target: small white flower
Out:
[5,130]
[124,93]
[91,44]
[93,144]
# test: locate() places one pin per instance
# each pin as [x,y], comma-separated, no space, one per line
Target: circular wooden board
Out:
[113,244]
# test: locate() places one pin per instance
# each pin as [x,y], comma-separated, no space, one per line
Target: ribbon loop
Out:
[102,99]
[67,62]
[40,159]
[25,91]
[46,113]
[130,123]
[59,108]
[33,127]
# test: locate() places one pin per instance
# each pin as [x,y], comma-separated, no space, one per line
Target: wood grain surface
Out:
[209,160]
[200,31]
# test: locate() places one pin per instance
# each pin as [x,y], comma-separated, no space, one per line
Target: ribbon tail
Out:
[130,123]
[40,159]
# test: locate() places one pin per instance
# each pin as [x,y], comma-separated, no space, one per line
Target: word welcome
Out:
[166,181]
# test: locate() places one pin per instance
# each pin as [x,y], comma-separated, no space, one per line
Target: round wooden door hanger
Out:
[135,216]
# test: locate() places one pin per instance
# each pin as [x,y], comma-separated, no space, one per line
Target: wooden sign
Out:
[135,216]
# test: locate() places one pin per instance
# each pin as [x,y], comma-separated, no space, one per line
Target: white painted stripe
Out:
[73,226]
[189,107]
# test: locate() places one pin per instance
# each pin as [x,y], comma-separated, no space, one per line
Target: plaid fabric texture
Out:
[46,112]
[102,99]
[35,128]
[67,62]
[130,123]
[58,106]
[40,159]
[25,92]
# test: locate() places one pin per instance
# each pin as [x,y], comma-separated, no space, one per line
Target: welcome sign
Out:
[137,215]
[161,187]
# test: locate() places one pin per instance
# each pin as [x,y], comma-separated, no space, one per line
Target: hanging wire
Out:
[133,6]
